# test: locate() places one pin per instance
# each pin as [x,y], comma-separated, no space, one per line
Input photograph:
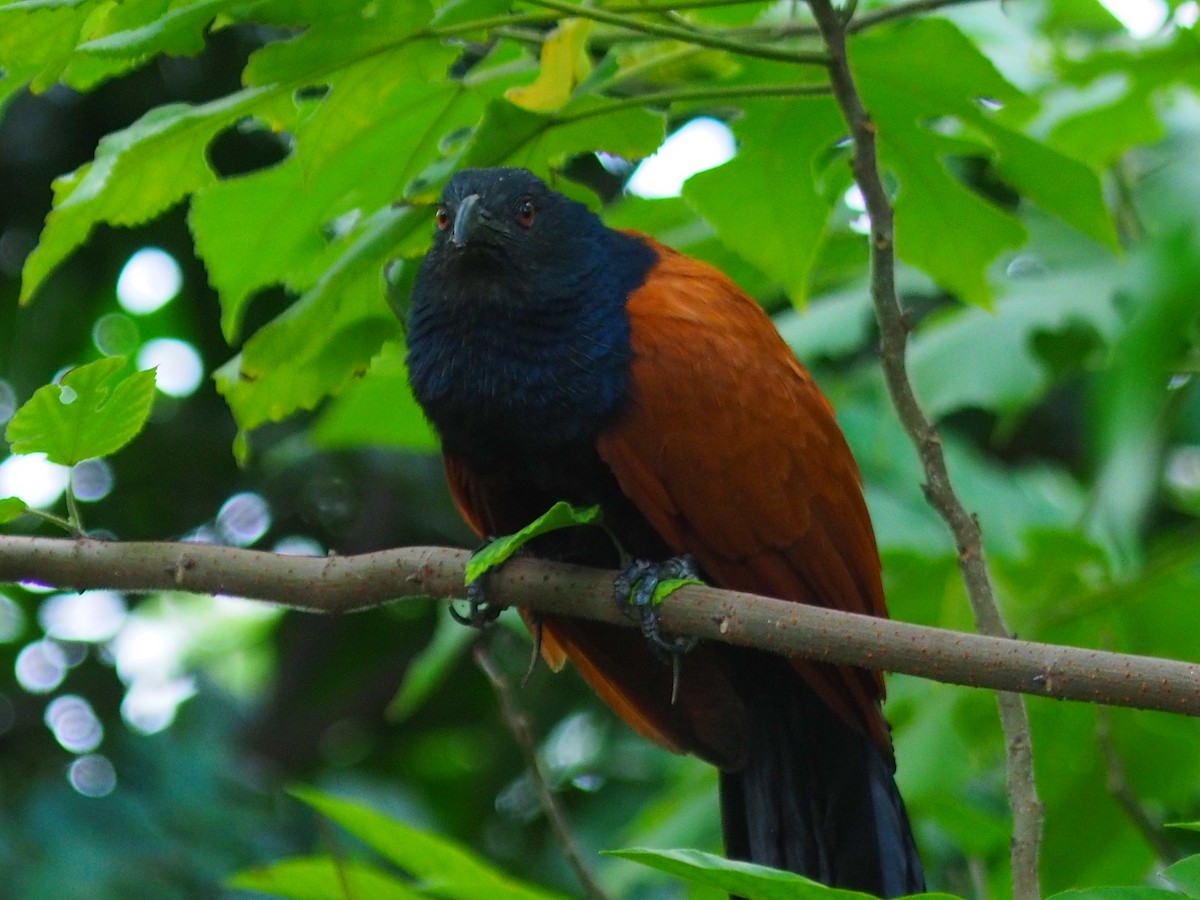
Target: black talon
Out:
[633,591]
[481,613]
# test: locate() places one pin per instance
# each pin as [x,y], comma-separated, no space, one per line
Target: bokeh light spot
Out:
[243,519]
[1141,18]
[179,365]
[92,480]
[91,616]
[115,334]
[150,279]
[92,775]
[150,706]
[700,144]
[74,723]
[33,478]
[41,667]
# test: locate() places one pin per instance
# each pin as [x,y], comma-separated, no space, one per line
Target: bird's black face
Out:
[507,224]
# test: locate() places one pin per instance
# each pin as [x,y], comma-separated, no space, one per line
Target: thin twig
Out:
[522,732]
[341,584]
[899,11]
[1122,791]
[1022,790]
[717,93]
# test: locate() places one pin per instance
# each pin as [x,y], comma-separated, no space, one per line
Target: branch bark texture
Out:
[341,584]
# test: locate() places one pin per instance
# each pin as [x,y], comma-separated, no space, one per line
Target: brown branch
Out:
[893,326]
[340,584]
[522,732]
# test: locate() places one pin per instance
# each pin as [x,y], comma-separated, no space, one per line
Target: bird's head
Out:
[506,228]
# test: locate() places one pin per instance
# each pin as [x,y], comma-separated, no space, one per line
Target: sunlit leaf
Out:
[453,872]
[88,413]
[564,66]
[326,338]
[767,205]
[136,174]
[510,135]
[747,880]
[179,31]
[323,878]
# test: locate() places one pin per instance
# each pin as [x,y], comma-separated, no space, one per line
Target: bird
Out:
[559,359]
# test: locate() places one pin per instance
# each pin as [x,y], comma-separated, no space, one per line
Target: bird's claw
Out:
[480,612]
[634,592]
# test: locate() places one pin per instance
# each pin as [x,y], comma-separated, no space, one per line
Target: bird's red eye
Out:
[443,218]
[525,213]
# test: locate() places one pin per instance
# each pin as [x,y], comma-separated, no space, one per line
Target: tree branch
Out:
[340,584]
[893,326]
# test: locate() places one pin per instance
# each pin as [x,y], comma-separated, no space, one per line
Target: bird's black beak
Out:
[466,220]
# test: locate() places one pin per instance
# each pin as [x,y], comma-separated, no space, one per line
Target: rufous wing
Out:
[733,454]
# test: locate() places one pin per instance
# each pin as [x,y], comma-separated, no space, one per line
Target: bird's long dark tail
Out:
[817,797]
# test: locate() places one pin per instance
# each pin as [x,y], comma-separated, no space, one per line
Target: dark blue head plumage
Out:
[518,335]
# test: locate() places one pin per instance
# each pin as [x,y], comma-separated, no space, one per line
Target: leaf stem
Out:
[74,519]
[50,517]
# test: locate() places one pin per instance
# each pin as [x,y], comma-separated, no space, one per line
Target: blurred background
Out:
[145,741]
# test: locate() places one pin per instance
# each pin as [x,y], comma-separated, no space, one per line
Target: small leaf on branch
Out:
[499,551]
[88,414]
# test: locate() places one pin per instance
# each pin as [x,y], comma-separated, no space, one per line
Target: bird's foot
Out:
[480,611]
[641,589]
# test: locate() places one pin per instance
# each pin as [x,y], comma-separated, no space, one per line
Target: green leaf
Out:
[668,586]
[338,35]
[137,173]
[1185,875]
[178,32]
[914,108]
[38,39]
[323,878]
[88,414]
[1132,396]
[445,868]
[376,410]
[747,880]
[759,203]
[11,508]
[512,136]
[560,515]
[326,338]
